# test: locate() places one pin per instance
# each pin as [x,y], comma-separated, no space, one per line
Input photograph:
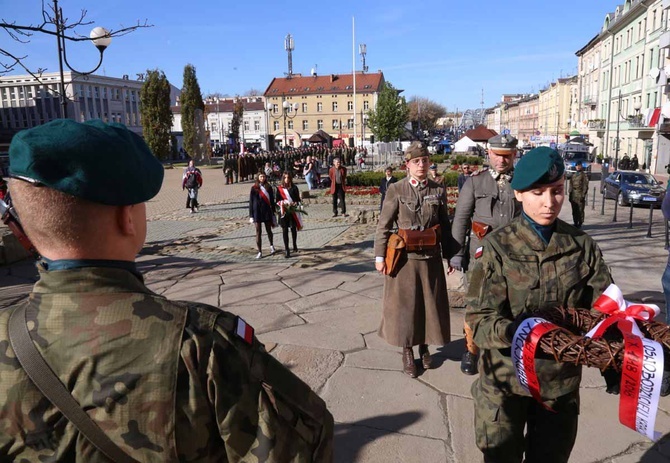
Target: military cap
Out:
[503,145]
[433,167]
[539,166]
[416,150]
[95,161]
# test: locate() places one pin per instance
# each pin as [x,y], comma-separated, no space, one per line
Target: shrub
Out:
[461,158]
[450,179]
[438,158]
[370,178]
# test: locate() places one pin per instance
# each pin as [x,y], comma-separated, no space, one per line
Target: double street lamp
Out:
[286,108]
[99,36]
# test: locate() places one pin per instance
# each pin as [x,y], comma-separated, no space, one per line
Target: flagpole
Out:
[353,68]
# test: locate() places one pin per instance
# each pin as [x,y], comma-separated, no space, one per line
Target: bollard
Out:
[616,206]
[593,200]
[651,217]
[630,218]
[602,205]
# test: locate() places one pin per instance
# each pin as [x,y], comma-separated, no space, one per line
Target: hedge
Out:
[461,158]
[375,178]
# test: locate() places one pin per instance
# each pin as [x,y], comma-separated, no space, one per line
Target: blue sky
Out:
[443,50]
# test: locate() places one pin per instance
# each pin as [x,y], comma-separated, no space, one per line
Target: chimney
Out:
[333,78]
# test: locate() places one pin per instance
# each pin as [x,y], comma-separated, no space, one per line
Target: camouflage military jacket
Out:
[166,381]
[518,273]
[579,186]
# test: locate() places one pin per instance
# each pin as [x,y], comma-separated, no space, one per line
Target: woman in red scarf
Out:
[262,210]
[288,197]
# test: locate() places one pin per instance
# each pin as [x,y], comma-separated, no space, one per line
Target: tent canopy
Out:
[319,137]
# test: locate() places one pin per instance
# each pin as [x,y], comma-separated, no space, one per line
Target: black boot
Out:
[287,254]
[469,363]
[426,360]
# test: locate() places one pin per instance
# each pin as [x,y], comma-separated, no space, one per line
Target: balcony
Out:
[589,100]
[596,124]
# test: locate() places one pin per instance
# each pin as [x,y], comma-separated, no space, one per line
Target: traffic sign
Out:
[505,132]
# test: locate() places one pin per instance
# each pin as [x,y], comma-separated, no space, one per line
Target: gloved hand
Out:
[612,380]
[456,263]
[512,327]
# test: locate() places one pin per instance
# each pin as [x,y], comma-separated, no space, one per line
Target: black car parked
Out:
[633,187]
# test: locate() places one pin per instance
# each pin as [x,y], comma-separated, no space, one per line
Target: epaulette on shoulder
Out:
[479,172]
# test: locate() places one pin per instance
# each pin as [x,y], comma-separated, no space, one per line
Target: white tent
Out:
[462,145]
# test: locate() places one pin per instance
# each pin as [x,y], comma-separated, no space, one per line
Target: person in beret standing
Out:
[165,381]
[415,302]
[485,202]
[192,180]
[579,188]
[535,262]
[434,176]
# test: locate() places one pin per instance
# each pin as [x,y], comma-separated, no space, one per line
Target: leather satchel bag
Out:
[394,251]
[480,229]
[420,240]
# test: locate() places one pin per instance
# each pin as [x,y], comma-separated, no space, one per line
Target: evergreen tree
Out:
[390,116]
[191,101]
[238,117]
[156,113]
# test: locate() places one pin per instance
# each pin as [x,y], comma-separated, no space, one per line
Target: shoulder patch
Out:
[479,251]
[244,330]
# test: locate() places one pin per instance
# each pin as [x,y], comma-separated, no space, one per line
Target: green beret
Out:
[416,150]
[102,163]
[539,166]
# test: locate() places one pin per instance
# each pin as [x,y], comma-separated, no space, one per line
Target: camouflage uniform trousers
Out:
[578,204]
[500,419]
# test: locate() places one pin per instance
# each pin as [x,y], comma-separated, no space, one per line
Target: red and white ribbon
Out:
[524,344]
[285,203]
[642,368]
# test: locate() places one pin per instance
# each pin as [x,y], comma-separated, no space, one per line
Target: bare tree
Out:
[53,23]
[253,92]
[423,112]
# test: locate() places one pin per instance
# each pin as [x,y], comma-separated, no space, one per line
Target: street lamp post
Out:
[100,38]
[286,107]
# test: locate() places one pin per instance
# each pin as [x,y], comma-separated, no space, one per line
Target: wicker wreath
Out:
[568,345]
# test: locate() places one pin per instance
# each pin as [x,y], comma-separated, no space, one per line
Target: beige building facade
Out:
[326,103]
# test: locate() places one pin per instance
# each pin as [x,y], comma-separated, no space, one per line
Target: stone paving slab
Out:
[267,317]
[317,335]
[314,366]
[355,394]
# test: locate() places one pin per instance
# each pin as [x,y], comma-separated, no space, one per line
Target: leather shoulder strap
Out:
[53,389]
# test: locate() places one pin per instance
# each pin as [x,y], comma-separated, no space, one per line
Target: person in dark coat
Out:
[338,182]
[262,210]
[389,179]
[288,196]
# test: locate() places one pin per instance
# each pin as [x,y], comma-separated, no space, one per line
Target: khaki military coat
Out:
[482,199]
[415,303]
[518,273]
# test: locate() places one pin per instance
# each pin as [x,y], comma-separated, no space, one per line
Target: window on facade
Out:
[350,124]
[319,124]
[304,107]
[366,105]
[319,107]
[276,125]
[289,124]
[336,124]
[334,106]
[257,125]
[305,125]
[350,105]
[246,125]
[653,20]
[275,108]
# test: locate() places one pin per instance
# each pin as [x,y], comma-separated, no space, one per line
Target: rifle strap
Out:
[53,389]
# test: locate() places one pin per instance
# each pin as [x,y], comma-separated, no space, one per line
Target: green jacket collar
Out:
[90,280]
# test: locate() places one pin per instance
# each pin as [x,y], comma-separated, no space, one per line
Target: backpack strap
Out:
[53,389]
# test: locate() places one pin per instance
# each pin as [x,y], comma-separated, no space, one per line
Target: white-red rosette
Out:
[642,368]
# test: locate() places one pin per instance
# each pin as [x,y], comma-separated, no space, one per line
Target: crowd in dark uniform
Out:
[242,167]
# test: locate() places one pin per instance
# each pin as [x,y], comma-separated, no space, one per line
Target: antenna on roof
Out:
[363,50]
[289,46]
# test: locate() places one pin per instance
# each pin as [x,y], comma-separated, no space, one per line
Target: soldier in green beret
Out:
[164,380]
[537,261]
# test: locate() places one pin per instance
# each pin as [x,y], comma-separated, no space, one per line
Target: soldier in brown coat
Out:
[415,303]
